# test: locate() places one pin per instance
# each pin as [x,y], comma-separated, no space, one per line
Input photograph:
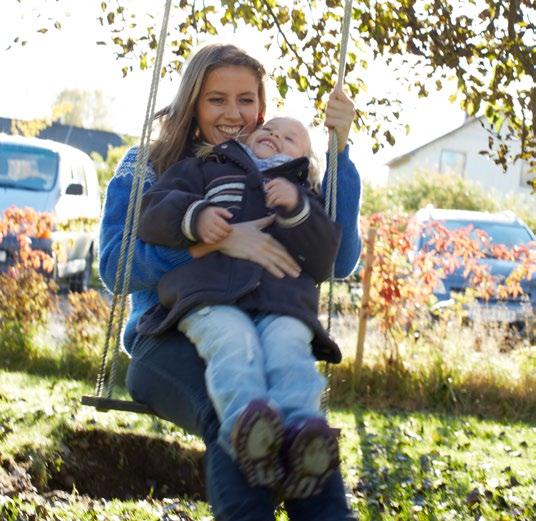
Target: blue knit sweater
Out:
[152,261]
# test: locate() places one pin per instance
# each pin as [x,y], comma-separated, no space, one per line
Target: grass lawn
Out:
[62,461]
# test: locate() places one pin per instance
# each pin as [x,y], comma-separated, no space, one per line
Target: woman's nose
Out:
[233,111]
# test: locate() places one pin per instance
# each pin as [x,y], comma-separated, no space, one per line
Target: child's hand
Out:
[281,192]
[212,225]
[340,113]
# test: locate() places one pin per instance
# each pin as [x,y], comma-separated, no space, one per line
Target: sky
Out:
[71,59]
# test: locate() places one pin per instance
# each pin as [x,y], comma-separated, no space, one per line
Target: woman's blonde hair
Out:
[177,120]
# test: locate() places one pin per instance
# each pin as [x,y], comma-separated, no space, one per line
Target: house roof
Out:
[87,140]
[402,157]
[49,144]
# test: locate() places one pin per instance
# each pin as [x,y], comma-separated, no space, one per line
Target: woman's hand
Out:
[340,112]
[248,242]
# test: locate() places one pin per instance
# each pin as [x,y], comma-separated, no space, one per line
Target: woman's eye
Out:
[216,100]
[247,101]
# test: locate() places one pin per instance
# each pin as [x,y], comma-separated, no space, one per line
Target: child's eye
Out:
[288,138]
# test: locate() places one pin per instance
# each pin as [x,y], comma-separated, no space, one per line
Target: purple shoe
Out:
[311,456]
[257,437]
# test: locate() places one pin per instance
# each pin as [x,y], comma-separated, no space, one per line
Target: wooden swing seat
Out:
[107,404]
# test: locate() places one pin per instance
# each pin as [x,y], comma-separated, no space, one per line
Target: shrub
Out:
[106,167]
[427,188]
[85,323]
[382,199]
[26,292]
[523,205]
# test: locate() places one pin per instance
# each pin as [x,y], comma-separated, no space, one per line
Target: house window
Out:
[526,175]
[452,162]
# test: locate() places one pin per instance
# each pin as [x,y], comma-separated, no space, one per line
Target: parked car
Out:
[502,228]
[52,177]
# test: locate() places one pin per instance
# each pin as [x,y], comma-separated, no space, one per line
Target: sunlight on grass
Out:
[397,465]
[424,466]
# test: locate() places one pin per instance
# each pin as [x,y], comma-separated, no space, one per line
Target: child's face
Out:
[280,136]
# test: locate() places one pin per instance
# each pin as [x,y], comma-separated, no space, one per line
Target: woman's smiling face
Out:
[228,104]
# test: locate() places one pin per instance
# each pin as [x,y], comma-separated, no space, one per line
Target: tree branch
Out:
[281,32]
[517,51]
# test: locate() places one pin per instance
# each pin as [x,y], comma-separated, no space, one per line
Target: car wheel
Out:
[80,281]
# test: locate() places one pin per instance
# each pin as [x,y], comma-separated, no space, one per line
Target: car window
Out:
[27,168]
[78,175]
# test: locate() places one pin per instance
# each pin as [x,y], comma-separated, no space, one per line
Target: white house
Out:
[457,152]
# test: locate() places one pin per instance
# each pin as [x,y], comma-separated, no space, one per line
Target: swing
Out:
[102,400]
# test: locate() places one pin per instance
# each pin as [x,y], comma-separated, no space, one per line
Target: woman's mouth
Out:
[231,132]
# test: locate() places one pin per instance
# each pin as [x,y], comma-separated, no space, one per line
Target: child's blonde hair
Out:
[314,170]
[204,150]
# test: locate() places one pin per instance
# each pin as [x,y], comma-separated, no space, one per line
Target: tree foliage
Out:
[106,167]
[406,196]
[83,108]
[487,46]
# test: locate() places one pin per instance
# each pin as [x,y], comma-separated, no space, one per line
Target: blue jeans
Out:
[264,356]
[167,374]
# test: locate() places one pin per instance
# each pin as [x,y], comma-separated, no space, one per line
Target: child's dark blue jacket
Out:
[229,178]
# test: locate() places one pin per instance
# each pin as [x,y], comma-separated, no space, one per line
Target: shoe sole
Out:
[312,456]
[257,438]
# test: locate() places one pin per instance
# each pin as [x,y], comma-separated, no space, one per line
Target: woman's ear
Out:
[196,132]
[260,119]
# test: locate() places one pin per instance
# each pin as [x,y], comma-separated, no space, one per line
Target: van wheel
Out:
[80,281]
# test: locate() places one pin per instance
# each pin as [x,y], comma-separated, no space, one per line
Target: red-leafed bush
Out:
[26,293]
[403,282]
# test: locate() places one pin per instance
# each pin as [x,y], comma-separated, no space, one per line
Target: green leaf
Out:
[303,83]
[389,137]
[282,85]
[143,61]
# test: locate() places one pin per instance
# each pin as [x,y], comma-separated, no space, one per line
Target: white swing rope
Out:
[104,387]
[331,183]
[124,269]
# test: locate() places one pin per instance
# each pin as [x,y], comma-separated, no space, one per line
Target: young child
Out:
[257,333]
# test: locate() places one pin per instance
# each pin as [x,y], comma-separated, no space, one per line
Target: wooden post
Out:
[363,311]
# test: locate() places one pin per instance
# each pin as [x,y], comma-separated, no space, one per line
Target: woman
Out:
[221,96]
